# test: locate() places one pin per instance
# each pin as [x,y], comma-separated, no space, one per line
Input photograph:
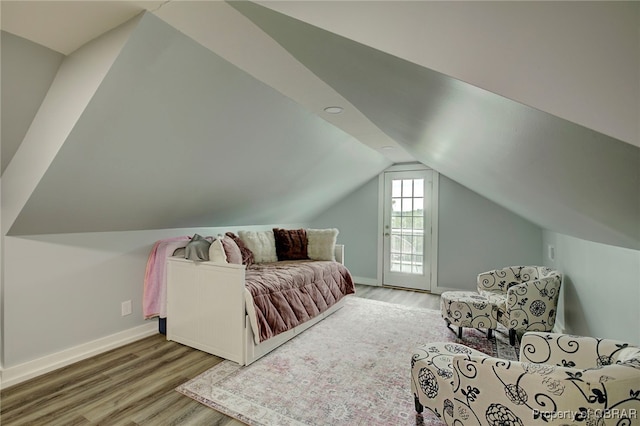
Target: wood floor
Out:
[134,384]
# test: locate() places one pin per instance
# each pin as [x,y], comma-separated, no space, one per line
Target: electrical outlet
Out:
[126,308]
[551,252]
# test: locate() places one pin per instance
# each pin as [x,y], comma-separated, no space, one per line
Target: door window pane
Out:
[418,185]
[407,188]
[396,188]
[407,223]
[396,207]
[407,226]
[407,206]
[395,262]
[418,206]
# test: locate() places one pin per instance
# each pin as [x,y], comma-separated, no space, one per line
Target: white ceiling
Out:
[145,129]
[553,172]
[64,26]
[211,23]
[553,56]
[390,65]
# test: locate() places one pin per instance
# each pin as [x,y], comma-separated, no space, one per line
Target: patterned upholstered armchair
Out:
[559,380]
[526,297]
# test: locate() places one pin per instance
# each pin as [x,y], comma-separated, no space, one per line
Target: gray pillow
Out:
[197,249]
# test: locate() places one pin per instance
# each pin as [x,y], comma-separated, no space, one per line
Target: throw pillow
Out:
[197,249]
[231,250]
[322,243]
[261,243]
[247,255]
[216,252]
[291,244]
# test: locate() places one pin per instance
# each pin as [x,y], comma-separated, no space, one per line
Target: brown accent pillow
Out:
[291,244]
[247,255]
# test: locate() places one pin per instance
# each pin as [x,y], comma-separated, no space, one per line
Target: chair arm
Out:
[490,391]
[569,351]
[532,305]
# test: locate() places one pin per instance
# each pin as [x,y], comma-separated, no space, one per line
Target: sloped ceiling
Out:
[176,136]
[559,175]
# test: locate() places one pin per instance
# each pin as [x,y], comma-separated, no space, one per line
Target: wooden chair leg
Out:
[489,333]
[512,337]
[459,332]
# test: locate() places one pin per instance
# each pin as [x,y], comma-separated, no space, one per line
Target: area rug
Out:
[352,368]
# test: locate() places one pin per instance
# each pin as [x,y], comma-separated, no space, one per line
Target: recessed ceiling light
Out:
[333,110]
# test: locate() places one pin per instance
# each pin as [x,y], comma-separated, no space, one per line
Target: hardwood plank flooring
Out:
[134,384]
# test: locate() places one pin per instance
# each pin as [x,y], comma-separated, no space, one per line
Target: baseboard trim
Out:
[28,370]
[366,281]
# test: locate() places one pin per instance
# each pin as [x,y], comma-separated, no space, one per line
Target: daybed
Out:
[240,308]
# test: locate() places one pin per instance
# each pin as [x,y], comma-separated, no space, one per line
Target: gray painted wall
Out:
[600,289]
[356,217]
[474,234]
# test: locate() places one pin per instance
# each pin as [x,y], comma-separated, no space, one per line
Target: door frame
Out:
[434,219]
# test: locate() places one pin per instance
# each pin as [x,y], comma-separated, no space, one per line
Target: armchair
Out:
[526,297]
[559,380]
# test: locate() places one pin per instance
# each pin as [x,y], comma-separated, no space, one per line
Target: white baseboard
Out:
[28,370]
[366,281]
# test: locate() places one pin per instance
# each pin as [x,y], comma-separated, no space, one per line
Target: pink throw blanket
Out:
[154,301]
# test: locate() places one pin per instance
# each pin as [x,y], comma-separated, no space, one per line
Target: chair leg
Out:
[419,407]
[459,333]
[512,337]
[489,333]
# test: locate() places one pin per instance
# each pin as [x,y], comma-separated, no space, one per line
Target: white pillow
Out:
[261,243]
[216,251]
[321,243]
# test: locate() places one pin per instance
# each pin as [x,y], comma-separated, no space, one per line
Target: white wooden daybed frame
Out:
[206,310]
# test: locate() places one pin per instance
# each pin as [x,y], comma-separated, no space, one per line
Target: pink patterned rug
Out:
[352,368]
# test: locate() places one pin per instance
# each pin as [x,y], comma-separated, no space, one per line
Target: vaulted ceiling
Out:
[213,114]
[146,129]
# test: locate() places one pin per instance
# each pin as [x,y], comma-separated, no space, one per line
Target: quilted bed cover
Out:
[287,293]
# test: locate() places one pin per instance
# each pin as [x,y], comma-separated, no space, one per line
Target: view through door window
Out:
[407,226]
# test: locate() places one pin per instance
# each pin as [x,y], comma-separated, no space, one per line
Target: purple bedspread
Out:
[288,293]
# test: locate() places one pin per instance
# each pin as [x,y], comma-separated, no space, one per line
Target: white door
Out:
[407,229]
